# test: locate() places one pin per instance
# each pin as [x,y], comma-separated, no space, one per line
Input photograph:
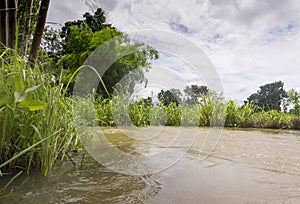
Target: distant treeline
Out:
[270,107]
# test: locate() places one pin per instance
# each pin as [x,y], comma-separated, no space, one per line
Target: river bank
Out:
[248,165]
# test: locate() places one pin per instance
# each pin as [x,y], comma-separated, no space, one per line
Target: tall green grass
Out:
[36,120]
[211,110]
[121,111]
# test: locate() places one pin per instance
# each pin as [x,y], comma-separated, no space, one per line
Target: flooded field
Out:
[247,166]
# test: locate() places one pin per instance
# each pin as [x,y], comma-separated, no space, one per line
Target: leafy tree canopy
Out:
[92,38]
[170,96]
[193,93]
[293,99]
[95,22]
[269,96]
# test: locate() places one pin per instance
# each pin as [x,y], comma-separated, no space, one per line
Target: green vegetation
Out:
[78,42]
[169,96]
[205,109]
[269,97]
[37,122]
[21,26]
[37,119]
[37,126]
[194,92]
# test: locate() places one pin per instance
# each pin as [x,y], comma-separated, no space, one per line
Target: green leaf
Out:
[19,85]
[32,88]
[32,105]
[20,96]
[3,101]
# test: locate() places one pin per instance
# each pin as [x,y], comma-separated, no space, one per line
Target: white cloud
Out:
[249,42]
[66,10]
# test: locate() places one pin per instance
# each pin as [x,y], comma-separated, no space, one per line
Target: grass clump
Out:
[36,119]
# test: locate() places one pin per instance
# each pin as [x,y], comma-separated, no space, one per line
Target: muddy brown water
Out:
[247,166]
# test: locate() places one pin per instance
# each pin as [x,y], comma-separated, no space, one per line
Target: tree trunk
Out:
[25,34]
[3,25]
[12,23]
[38,34]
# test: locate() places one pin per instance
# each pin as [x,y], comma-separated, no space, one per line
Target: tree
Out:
[28,17]
[61,42]
[269,97]
[193,93]
[170,96]
[83,41]
[293,98]
[3,21]
[26,29]
[12,23]
[39,30]
[95,22]
[8,20]
[52,43]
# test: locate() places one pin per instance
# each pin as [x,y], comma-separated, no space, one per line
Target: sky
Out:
[248,42]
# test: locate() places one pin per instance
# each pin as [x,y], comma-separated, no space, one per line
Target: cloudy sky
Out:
[248,42]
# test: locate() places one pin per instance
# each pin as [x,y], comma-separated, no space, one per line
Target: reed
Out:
[36,119]
[211,110]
